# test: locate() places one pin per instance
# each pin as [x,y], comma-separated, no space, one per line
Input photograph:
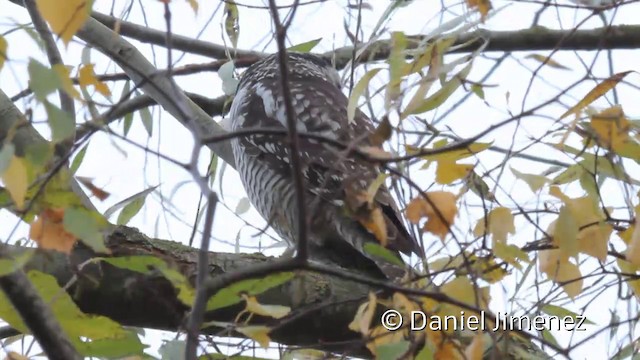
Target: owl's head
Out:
[301,66]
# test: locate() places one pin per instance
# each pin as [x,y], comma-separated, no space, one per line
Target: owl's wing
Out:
[321,108]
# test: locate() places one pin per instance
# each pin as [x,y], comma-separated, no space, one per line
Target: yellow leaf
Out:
[455,153]
[358,90]
[376,225]
[500,222]
[65,17]
[12,355]
[449,350]
[440,215]
[611,127]
[274,311]
[362,321]
[633,251]
[3,50]
[483,7]
[49,233]
[557,267]
[381,336]
[596,92]
[627,234]
[194,5]
[510,253]
[569,275]
[548,260]
[16,181]
[546,60]
[462,289]
[565,232]
[88,77]
[258,333]
[629,268]
[66,84]
[535,182]
[475,350]
[448,172]
[594,239]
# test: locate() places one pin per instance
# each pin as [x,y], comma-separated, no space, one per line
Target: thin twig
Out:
[294,144]
[200,301]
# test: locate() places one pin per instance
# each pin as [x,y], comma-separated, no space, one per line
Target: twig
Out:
[294,144]
[200,301]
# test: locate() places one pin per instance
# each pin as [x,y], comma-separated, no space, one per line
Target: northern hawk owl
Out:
[332,178]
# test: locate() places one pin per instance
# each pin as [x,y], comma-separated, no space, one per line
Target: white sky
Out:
[129,170]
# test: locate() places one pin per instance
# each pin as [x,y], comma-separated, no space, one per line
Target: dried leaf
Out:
[596,92]
[49,233]
[65,17]
[439,219]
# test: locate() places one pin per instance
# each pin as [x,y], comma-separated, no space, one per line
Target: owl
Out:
[335,181]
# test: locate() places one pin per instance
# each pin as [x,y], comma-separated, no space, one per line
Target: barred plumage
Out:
[329,176]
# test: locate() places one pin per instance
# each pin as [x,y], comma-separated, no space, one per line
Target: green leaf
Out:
[305,47]
[440,96]
[77,160]
[9,265]
[570,174]
[42,79]
[173,349]
[358,90]
[381,252]
[39,153]
[146,264]
[392,351]
[62,123]
[128,345]
[561,312]
[535,182]
[86,226]
[147,121]
[141,196]
[243,206]
[229,82]
[73,321]
[232,21]
[231,294]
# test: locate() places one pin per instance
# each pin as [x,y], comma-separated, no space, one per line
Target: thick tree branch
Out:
[537,38]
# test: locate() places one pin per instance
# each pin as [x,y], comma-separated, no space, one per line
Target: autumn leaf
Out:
[364,316]
[49,233]
[633,251]
[15,179]
[231,21]
[611,127]
[500,221]
[448,172]
[88,77]
[274,311]
[258,333]
[96,191]
[599,90]
[375,224]
[535,182]
[483,7]
[65,17]
[3,50]
[548,61]
[440,215]
[475,350]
